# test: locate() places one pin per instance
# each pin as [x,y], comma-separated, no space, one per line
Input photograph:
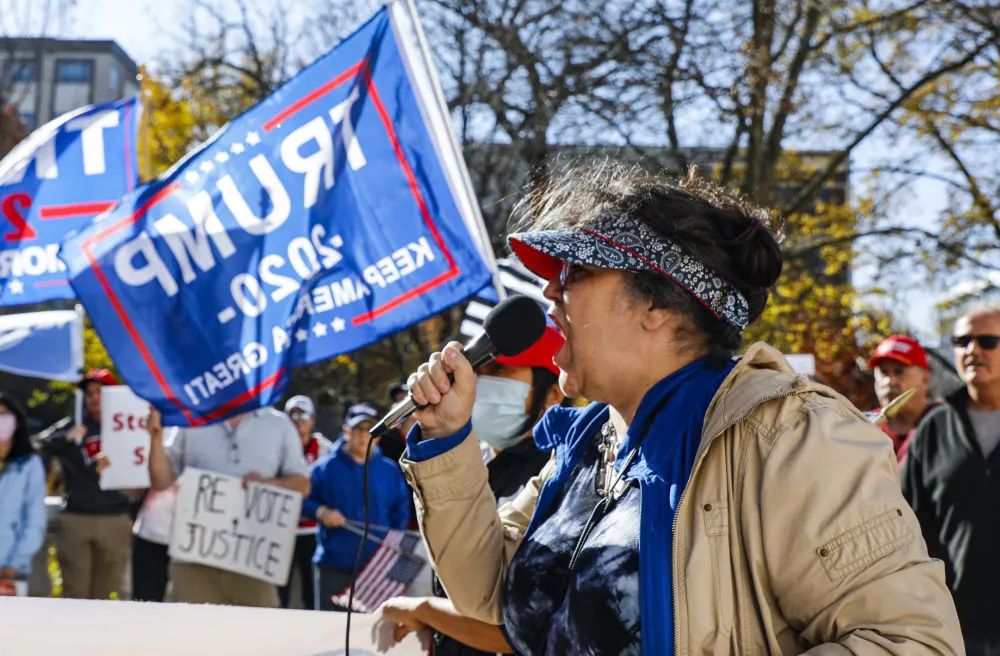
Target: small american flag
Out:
[390,570]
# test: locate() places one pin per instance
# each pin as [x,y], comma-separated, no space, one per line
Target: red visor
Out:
[539,263]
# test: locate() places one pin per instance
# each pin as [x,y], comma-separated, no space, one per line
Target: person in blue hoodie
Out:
[22,494]
[336,500]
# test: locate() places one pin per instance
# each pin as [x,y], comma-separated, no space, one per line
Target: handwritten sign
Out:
[221,524]
[124,439]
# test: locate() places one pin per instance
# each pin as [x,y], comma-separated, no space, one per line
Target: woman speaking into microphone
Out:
[700,504]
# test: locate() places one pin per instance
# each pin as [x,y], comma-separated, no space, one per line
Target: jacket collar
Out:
[760,375]
[959,399]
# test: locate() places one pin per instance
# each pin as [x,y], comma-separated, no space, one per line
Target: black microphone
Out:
[511,327]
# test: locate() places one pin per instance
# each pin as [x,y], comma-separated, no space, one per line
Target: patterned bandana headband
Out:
[630,245]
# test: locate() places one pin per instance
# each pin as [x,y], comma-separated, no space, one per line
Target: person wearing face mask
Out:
[22,495]
[512,393]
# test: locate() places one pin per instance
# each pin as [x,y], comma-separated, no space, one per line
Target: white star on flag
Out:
[237,148]
[207,166]
[337,325]
[222,158]
[319,330]
[16,287]
[253,138]
[191,176]
[301,335]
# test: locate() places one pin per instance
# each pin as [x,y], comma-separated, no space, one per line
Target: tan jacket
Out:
[792,535]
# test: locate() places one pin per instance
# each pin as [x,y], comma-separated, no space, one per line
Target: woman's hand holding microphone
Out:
[444,388]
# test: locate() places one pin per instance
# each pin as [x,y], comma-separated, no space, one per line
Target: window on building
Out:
[21,70]
[114,80]
[72,87]
[74,70]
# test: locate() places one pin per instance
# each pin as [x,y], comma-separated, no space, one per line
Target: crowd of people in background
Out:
[945,448]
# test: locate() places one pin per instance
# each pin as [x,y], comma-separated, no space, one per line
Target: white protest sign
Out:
[124,439]
[249,531]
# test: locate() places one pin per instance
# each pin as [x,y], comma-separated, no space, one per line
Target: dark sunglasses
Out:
[985,342]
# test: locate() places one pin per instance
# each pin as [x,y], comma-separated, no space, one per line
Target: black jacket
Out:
[955,493]
[513,467]
[82,492]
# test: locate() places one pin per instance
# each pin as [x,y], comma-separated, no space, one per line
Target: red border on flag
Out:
[163,193]
[75,209]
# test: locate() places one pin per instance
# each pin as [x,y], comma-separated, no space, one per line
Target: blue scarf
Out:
[667,427]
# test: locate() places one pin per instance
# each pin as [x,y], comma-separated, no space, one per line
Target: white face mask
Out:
[8,424]
[498,414]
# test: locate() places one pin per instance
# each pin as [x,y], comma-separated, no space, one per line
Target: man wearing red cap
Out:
[95,528]
[900,364]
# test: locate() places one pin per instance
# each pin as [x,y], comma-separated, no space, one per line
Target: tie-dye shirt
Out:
[594,610]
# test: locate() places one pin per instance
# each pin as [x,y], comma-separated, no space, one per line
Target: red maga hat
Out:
[540,353]
[102,376]
[901,349]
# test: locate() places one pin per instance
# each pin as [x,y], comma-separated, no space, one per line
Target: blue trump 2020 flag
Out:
[54,182]
[335,212]
[43,344]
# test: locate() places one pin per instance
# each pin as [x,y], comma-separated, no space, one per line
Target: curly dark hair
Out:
[21,445]
[723,230]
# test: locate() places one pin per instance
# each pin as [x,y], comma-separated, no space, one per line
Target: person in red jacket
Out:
[899,364]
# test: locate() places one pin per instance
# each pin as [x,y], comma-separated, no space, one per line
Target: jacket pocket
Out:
[864,544]
[715,517]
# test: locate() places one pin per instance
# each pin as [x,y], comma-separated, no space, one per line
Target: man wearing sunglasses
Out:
[952,479]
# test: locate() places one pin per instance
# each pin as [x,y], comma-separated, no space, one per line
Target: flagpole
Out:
[144,128]
[457,150]
[78,393]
